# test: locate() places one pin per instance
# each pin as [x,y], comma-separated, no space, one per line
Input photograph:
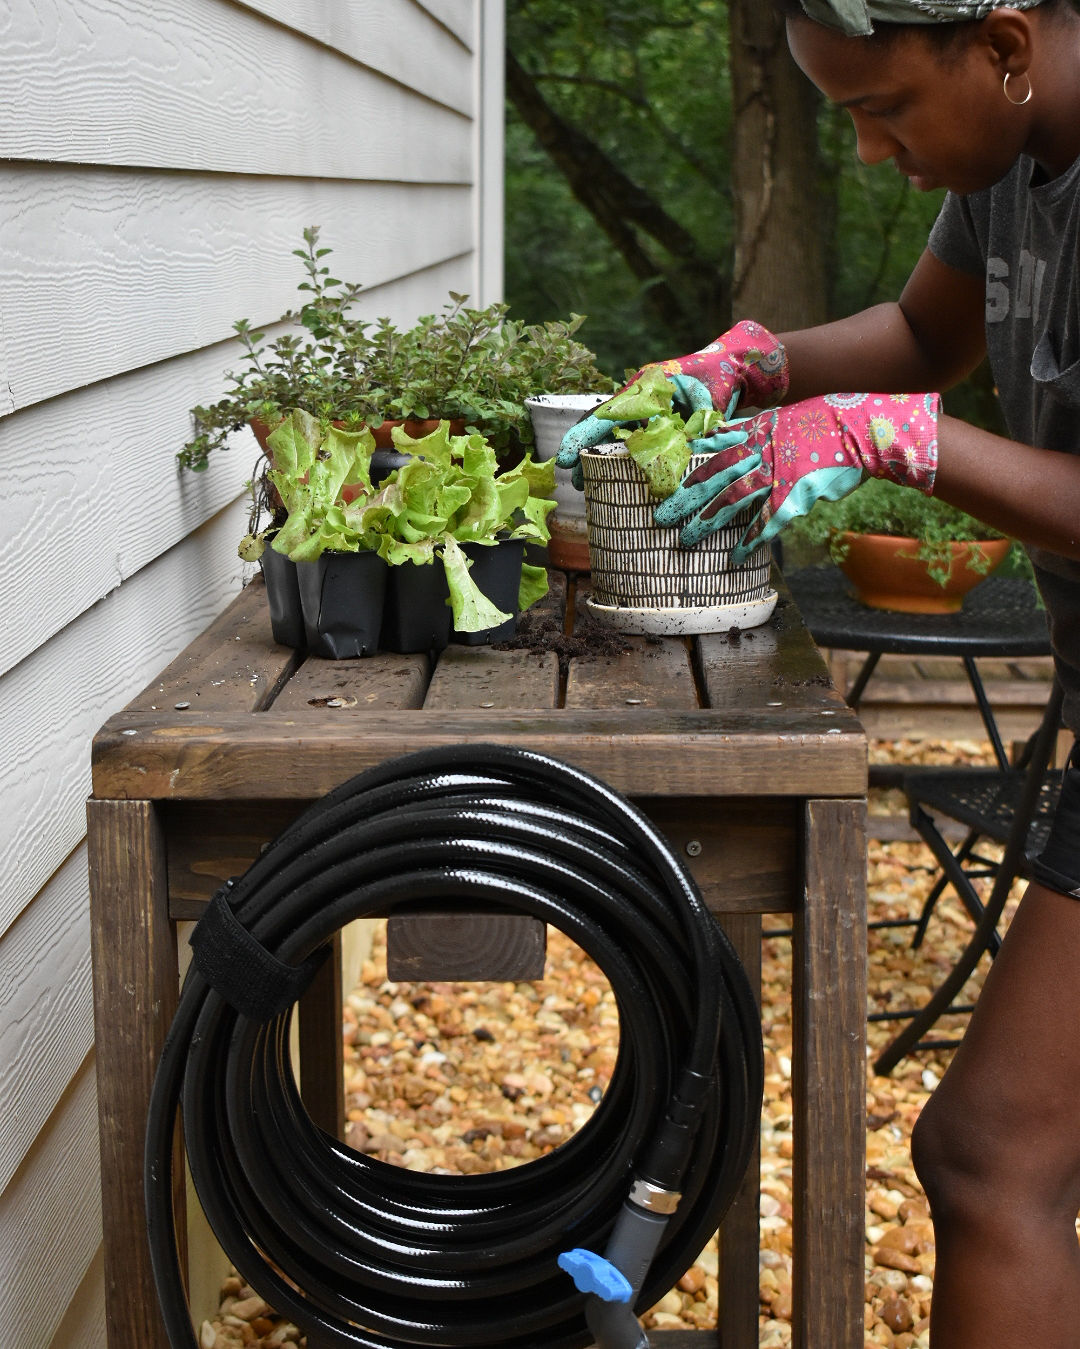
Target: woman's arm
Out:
[929,340]
[932,338]
[1032,495]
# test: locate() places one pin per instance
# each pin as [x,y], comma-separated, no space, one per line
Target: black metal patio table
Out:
[1000,618]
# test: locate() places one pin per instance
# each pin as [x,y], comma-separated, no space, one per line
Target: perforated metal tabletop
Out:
[999,618]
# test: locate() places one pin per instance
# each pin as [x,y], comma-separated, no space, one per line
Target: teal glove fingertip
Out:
[684,501]
[583,435]
[577,476]
[695,530]
[691,393]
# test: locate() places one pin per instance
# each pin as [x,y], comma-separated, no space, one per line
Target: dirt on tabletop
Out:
[543,632]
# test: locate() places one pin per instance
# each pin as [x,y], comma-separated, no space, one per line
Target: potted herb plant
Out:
[643,579]
[903,550]
[392,564]
[472,367]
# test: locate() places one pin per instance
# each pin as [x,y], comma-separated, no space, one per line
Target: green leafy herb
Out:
[475,364]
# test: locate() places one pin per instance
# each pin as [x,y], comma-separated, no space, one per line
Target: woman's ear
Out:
[1009,41]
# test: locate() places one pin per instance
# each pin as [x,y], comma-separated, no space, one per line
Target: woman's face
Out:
[940,116]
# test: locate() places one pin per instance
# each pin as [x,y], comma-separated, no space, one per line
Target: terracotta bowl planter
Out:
[414,427]
[644,580]
[887,574]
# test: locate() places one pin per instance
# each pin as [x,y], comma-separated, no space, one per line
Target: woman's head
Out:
[862,18]
[952,101]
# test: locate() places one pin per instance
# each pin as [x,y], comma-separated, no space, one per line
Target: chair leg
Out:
[986,927]
[986,712]
[952,870]
[855,693]
[961,855]
[927,909]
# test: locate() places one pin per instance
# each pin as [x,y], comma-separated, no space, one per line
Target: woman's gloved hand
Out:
[793,456]
[746,367]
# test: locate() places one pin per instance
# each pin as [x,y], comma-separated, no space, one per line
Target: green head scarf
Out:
[856,17]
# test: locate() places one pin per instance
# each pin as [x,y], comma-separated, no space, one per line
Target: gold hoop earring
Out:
[1016,102]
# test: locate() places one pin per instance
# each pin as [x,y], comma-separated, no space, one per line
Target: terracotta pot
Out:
[415,427]
[887,574]
[383,439]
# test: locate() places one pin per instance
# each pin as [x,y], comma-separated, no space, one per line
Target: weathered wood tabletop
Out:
[738,746]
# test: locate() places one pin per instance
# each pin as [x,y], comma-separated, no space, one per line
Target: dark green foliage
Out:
[649,83]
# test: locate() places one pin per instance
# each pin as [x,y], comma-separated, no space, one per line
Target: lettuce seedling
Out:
[661,447]
[450,492]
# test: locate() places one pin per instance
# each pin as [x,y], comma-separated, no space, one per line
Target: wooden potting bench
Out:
[739,747]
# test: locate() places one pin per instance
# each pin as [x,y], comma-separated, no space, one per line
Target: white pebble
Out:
[930,1079]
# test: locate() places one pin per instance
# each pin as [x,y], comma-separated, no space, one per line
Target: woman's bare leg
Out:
[997,1146]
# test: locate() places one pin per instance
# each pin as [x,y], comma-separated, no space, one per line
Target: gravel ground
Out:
[479,1077]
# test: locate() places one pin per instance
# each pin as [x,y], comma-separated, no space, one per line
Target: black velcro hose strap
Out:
[363,1254]
[250,978]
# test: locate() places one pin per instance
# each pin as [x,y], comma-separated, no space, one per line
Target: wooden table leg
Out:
[829,1079]
[739,1239]
[136,989]
[322,1066]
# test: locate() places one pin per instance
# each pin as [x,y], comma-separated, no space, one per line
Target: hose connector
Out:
[654,1198]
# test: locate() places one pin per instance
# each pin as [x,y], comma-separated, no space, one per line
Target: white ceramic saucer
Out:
[686,622]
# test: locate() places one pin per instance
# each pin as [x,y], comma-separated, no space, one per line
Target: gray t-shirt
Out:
[1023,235]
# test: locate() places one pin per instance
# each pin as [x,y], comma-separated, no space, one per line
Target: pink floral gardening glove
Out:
[745,367]
[789,458]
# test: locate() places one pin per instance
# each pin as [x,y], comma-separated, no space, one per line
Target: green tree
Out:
[667,164]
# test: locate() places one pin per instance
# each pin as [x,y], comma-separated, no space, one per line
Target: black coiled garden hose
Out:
[379,1257]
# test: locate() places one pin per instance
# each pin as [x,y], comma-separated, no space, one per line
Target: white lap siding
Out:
[160,163]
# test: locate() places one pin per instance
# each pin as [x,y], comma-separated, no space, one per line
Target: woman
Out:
[984,100]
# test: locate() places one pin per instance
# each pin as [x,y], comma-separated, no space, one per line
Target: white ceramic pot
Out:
[644,580]
[553,414]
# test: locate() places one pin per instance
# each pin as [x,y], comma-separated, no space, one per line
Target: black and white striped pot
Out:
[644,580]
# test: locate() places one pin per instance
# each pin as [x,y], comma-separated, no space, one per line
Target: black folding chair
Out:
[1010,806]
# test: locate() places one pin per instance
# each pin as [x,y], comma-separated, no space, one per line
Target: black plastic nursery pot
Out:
[283,597]
[416,613]
[342,595]
[496,569]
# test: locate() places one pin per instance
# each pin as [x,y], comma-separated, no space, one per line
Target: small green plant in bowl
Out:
[881,507]
[473,365]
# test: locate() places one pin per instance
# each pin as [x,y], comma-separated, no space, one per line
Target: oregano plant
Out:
[475,364]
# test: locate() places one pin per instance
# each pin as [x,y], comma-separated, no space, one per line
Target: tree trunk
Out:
[626,211]
[779,274]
